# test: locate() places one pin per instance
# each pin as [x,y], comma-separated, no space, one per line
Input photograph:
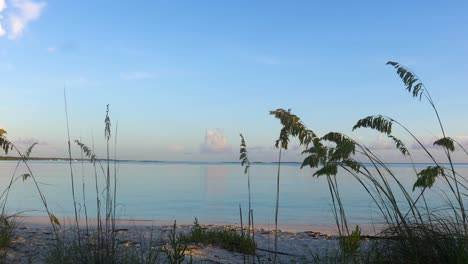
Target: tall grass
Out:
[71,167]
[99,243]
[8,222]
[8,227]
[415,232]
[7,145]
[292,127]
[244,157]
[101,246]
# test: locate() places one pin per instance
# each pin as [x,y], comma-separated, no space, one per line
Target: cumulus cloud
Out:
[19,13]
[382,142]
[139,75]
[215,142]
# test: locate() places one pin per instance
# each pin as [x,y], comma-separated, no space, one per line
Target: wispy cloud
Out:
[10,66]
[18,13]
[28,141]
[268,60]
[2,30]
[138,75]
[258,148]
[2,7]
[80,81]
[68,46]
[176,148]
[7,66]
[215,142]
[428,143]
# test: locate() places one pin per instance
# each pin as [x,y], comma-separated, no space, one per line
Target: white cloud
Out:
[382,142]
[17,26]
[51,49]
[2,5]
[19,14]
[138,75]
[2,30]
[215,142]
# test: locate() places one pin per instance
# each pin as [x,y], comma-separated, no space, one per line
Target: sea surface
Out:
[212,192]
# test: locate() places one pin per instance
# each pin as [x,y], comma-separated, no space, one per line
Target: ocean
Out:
[212,192]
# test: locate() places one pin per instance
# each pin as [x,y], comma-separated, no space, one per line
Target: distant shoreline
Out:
[10,158]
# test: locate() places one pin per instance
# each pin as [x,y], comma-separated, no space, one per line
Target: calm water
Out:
[211,192]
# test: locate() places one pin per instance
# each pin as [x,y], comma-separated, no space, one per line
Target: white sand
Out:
[34,236]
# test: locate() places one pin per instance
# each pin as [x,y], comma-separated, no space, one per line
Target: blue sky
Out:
[183,78]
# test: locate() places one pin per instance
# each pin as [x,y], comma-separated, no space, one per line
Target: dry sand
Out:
[34,236]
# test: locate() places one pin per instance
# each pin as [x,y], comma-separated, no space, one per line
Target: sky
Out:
[184,78]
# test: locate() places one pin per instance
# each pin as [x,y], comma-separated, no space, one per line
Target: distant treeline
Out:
[37,158]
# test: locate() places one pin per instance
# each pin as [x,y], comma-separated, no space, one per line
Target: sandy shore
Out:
[34,236]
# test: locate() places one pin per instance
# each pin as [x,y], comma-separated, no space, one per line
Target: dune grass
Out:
[414,233]
[8,227]
[175,250]
[226,237]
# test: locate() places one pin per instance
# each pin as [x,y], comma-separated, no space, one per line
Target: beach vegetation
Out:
[100,245]
[245,162]
[175,251]
[414,231]
[100,242]
[8,222]
[292,126]
[8,226]
[225,237]
[351,244]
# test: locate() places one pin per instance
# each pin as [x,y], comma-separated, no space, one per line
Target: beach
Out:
[34,237]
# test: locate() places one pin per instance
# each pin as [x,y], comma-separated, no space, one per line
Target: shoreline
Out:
[326,229]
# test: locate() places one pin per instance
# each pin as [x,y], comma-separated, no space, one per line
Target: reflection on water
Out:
[211,192]
[213,180]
